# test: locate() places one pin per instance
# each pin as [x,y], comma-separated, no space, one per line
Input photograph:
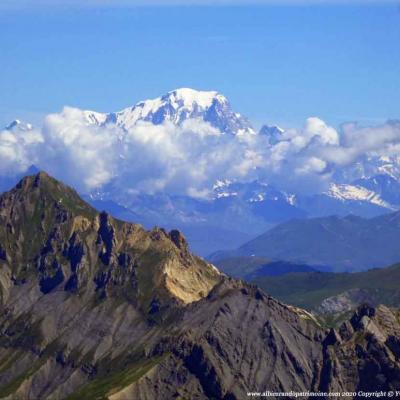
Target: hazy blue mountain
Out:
[250,268]
[274,133]
[7,182]
[343,243]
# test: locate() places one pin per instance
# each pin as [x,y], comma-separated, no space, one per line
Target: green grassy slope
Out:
[308,290]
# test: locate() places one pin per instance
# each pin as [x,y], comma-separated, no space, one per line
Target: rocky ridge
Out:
[93,307]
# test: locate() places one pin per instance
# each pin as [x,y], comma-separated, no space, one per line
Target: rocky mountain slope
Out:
[93,307]
[366,348]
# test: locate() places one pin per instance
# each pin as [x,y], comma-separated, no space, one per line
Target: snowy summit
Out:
[178,106]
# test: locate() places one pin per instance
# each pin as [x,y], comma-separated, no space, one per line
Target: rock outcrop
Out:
[364,353]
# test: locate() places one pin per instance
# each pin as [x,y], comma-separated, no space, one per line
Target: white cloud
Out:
[316,128]
[311,165]
[189,159]
[146,158]
[79,152]
[182,159]
[18,149]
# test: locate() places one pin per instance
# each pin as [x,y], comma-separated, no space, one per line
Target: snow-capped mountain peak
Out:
[176,107]
[251,192]
[191,98]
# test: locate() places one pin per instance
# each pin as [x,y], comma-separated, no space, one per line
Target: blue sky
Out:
[277,64]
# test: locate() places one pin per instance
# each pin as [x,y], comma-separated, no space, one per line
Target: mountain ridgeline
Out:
[338,243]
[95,308]
[45,225]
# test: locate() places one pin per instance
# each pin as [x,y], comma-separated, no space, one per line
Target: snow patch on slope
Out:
[345,192]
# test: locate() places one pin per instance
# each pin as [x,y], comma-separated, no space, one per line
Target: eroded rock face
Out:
[178,240]
[54,237]
[365,352]
[92,307]
[236,340]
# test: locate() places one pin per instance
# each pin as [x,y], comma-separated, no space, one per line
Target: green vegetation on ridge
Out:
[308,290]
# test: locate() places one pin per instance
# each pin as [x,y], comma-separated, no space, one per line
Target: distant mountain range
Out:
[334,295]
[250,268]
[340,243]
[234,211]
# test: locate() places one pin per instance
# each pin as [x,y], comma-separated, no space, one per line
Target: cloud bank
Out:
[188,159]
[146,158]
